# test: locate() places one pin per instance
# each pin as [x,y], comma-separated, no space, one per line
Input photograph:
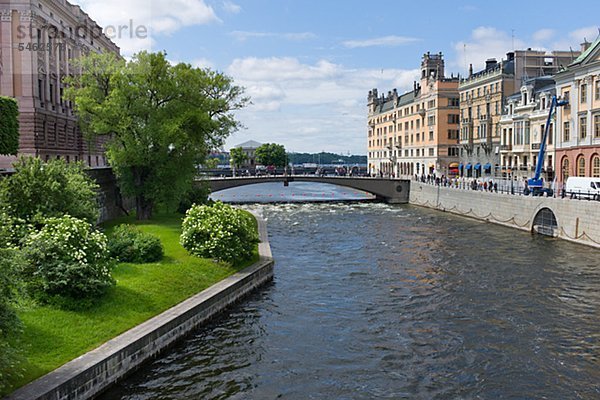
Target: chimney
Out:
[490,63]
[510,56]
[470,70]
[585,45]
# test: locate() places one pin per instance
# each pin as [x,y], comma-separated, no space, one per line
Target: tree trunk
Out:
[143,208]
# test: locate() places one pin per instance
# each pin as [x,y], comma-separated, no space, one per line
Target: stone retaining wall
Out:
[89,374]
[578,220]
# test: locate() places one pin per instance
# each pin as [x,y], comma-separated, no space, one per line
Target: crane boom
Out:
[537,182]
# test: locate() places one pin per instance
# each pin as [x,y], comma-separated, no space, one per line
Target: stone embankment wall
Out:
[578,220]
[88,375]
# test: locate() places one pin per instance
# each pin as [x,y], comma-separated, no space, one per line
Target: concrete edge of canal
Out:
[91,373]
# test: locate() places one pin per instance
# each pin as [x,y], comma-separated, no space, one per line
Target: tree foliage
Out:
[10,326]
[39,189]
[238,157]
[161,120]
[271,154]
[9,126]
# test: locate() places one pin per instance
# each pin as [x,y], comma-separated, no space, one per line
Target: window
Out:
[596,126]
[583,93]
[453,151]
[581,166]
[452,133]
[453,119]
[453,102]
[597,89]
[565,169]
[582,127]
[566,132]
[596,166]
[550,133]
[431,152]
[418,123]
[431,120]
[430,135]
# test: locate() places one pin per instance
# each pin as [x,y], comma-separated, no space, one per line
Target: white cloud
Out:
[310,106]
[202,63]
[386,41]
[295,36]
[543,35]
[485,42]
[589,33]
[231,8]
[153,17]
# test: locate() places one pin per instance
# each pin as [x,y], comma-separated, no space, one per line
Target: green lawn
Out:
[53,336]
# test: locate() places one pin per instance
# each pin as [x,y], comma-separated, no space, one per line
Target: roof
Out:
[586,53]
[250,144]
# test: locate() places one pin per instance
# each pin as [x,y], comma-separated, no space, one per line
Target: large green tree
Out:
[161,120]
[9,126]
[271,154]
[238,157]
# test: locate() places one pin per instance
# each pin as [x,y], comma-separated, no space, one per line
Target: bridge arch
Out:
[389,190]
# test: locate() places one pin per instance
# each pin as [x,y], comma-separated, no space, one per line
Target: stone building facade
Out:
[522,128]
[38,41]
[415,133]
[483,96]
[578,124]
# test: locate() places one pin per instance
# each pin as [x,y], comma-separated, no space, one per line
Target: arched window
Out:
[581,166]
[596,166]
[565,169]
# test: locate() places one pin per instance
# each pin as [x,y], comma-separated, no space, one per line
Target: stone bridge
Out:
[394,191]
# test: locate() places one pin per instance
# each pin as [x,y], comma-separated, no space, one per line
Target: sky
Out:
[308,65]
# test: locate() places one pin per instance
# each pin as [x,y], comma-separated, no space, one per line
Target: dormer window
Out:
[543,105]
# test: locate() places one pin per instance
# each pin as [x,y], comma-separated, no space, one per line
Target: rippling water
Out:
[375,301]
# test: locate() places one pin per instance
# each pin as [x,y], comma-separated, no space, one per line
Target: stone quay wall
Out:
[578,220]
[91,373]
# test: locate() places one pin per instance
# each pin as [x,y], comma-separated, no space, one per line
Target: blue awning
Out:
[460,166]
[487,166]
[469,166]
[477,166]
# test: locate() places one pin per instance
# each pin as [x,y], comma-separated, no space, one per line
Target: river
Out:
[373,301]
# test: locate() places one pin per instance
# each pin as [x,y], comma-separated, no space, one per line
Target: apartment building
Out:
[483,97]
[38,41]
[578,123]
[416,133]
[522,129]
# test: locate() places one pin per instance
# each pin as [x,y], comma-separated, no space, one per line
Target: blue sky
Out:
[308,65]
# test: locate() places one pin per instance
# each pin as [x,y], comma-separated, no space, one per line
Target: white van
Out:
[583,187]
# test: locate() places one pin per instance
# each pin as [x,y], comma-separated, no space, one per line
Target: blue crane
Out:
[536,184]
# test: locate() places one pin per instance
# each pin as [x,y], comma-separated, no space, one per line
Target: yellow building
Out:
[416,133]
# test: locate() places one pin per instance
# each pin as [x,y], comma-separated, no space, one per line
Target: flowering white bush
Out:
[218,231]
[67,258]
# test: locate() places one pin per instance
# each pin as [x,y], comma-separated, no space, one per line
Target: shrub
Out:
[128,244]
[218,231]
[12,230]
[67,259]
[39,190]
[198,194]
[10,326]
[9,128]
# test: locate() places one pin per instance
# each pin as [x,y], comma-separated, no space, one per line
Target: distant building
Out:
[38,41]
[416,133]
[522,129]
[482,97]
[249,149]
[578,124]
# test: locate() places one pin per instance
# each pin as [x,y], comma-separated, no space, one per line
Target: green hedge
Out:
[9,126]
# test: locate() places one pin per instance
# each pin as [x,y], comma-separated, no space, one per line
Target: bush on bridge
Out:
[218,231]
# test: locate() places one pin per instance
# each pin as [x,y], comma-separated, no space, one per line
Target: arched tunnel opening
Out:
[545,223]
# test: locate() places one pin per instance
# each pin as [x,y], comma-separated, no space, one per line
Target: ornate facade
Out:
[416,133]
[38,40]
[578,124]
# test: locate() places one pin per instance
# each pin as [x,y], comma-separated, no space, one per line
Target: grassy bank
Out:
[53,336]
